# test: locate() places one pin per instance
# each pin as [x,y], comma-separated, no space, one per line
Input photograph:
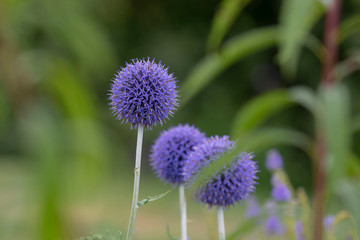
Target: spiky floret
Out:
[143,93]
[170,152]
[230,185]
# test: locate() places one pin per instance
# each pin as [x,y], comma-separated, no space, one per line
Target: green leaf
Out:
[259,109]
[306,97]
[356,124]
[246,227]
[294,28]
[224,18]
[349,27]
[234,50]
[153,198]
[349,192]
[170,237]
[335,121]
[258,140]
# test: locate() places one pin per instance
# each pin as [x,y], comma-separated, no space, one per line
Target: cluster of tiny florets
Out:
[230,185]
[170,152]
[143,93]
[204,153]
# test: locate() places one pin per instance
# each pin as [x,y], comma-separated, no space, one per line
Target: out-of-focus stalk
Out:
[328,79]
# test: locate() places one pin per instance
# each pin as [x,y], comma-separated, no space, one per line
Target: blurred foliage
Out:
[56,62]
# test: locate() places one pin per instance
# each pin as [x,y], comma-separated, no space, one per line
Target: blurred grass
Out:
[96,210]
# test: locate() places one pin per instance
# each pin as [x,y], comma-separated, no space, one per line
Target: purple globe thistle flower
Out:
[230,185]
[170,152]
[143,93]
[273,226]
[281,193]
[274,160]
[298,229]
[253,208]
[328,222]
[204,153]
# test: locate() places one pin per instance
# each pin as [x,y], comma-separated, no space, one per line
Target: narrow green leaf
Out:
[356,124]
[259,109]
[170,237]
[348,66]
[153,198]
[234,50]
[349,27]
[224,18]
[246,227]
[349,192]
[305,97]
[335,113]
[294,28]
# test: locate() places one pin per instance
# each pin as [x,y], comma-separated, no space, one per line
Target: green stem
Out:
[136,182]
[221,223]
[183,212]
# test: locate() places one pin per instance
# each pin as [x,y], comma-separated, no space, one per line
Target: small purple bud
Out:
[328,222]
[281,193]
[274,160]
[299,231]
[253,208]
[273,226]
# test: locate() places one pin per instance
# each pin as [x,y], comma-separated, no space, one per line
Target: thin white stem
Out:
[221,223]
[140,134]
[183,212]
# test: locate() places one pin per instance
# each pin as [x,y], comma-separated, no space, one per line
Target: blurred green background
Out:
[66,163]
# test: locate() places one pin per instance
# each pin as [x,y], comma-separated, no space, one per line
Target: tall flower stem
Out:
[221,223]
[183,212]
[328,78]
[134,207]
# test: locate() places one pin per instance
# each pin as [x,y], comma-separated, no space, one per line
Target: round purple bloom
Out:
[299,231]
[273,226]
[328,222]
[206,152]
[281,193]
[170,152]
[274,160]
[253,208]
[143,93]
[230,185]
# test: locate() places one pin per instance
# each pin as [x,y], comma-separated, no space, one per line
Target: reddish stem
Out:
[328,78]
[330,41]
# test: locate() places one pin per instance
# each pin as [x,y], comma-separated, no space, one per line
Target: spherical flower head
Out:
[253,208]
[170,152]
[273,160]
[273,226]
[143,93]
[281,193]
[209,150]
[298,229]
[230,185]
[328,222]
